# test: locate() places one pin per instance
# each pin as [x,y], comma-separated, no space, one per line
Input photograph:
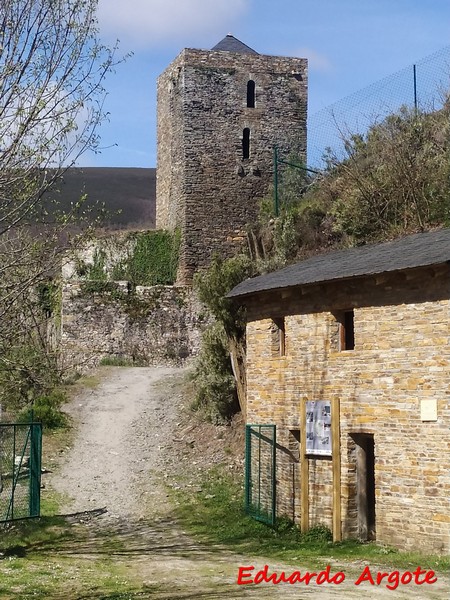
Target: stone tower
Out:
[220,113]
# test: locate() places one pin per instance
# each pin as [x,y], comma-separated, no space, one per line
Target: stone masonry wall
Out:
[204,185]
[401,357]
[156,325]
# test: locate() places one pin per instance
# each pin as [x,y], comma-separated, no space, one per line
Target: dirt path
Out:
[122,426]
[126,429]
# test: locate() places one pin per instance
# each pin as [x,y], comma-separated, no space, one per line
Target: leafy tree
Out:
[52,69]
[223,345]
[393,180]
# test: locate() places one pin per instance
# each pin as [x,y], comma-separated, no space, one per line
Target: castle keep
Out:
[220,113]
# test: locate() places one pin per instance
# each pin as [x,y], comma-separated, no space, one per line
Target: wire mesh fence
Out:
[20,470]
[260,472]
[424,86]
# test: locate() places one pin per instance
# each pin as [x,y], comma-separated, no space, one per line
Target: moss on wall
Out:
[144,258]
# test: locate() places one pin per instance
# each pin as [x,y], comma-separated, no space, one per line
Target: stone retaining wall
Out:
[147,326]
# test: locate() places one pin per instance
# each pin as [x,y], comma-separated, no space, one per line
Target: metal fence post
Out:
[35,469]
[275,180]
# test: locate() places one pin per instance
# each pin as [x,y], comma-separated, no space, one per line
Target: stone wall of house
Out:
[205,186]
[156,325]
[401,357]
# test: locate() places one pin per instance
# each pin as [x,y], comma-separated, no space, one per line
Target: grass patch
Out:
[216,515]
[87,381]
[116,361]
[52,558]
[51,502]
[32,533]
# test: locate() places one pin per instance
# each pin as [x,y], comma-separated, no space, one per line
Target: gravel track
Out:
[124,443]
[122,428]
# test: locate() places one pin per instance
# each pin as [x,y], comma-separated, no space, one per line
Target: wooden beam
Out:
[304,471]
[336,463]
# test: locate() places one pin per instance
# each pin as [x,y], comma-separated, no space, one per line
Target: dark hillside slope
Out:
[129,194]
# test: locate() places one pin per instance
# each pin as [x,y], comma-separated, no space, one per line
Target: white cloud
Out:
[145,23]
[316,61]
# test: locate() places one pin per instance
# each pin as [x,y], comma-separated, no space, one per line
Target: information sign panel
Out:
[318,427]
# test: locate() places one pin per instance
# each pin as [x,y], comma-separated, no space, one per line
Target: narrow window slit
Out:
[279,336]
[251,94]
[246,143]
[347,330]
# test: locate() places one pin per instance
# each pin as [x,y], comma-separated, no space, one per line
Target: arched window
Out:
[251,94]
[246,143]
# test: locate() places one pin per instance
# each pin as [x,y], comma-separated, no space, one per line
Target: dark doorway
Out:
[365,485]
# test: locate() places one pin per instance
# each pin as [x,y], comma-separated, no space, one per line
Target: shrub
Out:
[317,534]
[116,361]
[47,410]
[216,394]
[213,285]
[154,260]
[27,372]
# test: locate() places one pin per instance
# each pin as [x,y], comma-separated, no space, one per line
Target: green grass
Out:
[216,515]
[51,502]
[116,361]
[50,557]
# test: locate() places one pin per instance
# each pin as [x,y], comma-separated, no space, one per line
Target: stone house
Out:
[362,335]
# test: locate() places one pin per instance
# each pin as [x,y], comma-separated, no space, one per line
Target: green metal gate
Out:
[260,466]
[20,470]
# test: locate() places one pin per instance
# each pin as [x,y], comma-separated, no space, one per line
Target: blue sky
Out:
[349,43]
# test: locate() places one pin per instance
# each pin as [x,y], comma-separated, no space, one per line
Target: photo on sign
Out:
[318,427]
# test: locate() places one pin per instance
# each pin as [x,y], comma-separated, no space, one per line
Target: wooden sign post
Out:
[335,464]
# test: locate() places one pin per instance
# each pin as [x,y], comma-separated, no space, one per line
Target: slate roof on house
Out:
[418,250]
[232,44]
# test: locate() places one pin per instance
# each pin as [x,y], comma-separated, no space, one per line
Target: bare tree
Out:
[52,72]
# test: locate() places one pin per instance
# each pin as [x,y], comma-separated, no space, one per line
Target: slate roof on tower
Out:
[232,44]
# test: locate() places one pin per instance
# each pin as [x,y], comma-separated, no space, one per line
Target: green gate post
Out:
[13,468]
[275,180]
[35,469]
[248,463]
[254,490]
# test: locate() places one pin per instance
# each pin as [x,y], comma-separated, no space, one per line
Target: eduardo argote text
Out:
[391,580]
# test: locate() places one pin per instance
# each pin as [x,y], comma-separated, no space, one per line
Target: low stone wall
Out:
[146,326]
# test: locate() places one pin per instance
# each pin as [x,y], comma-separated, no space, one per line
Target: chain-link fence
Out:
[20,470]
[424,86]
[260,472]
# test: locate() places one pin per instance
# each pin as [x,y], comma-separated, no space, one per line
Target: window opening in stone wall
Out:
[278,336]
[251,94]
[246,143]
[347,331]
